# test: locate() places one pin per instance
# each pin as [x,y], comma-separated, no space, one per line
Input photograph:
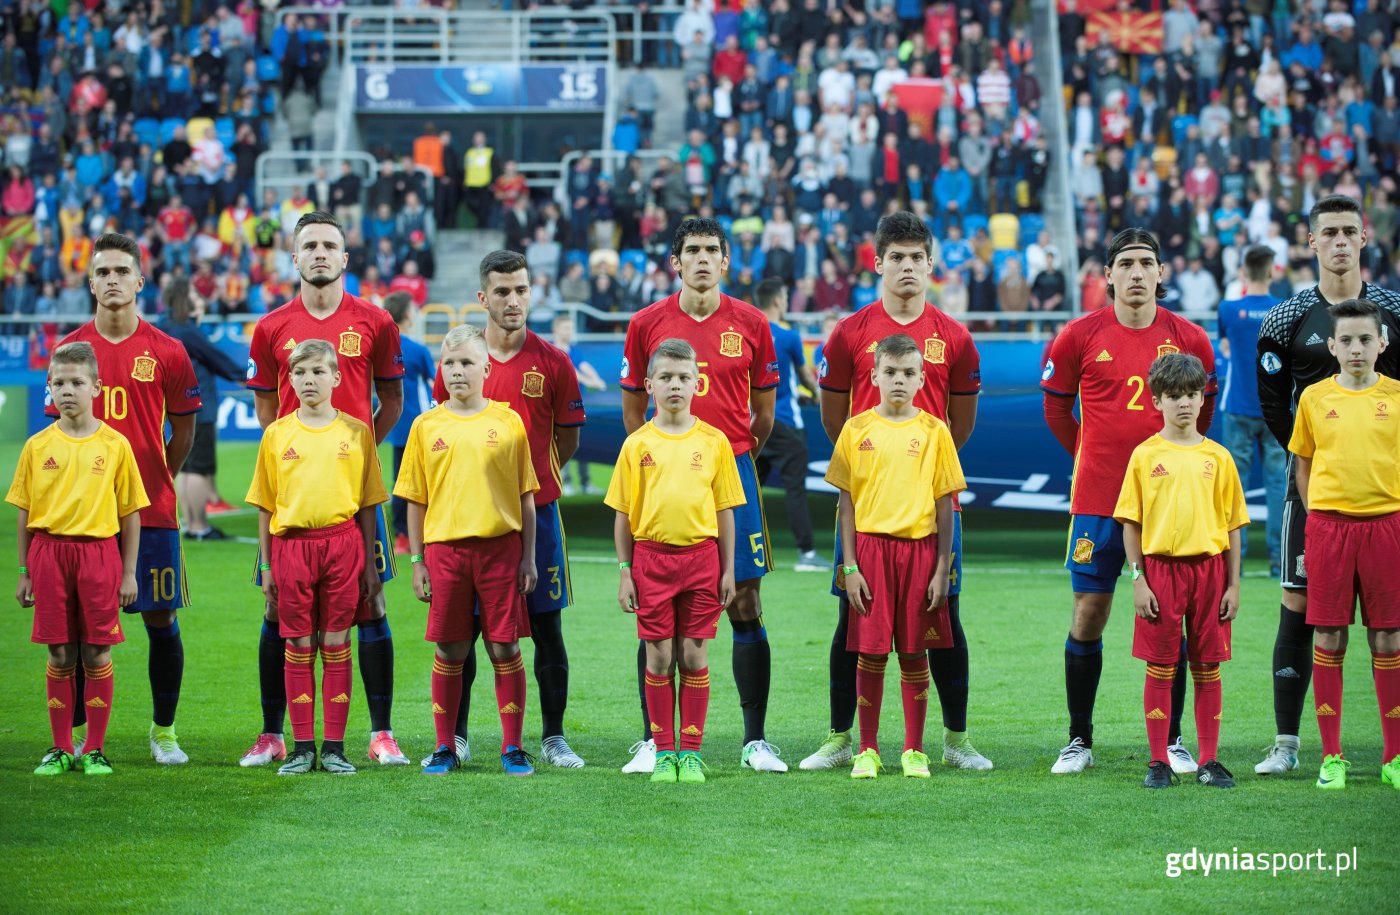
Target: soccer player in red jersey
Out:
[537,381]
[1102,359]
[371,365]
[148,379]
[736,394]
[953,379]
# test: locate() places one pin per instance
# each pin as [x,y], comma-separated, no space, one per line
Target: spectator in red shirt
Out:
[833,292]
[412,283]
[177,225]
[730,61]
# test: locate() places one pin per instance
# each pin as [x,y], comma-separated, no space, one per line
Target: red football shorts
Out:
[898,572]
[1189,590]
[317,573]
[478,572]
[77,585]
[1347,558]
[677,590]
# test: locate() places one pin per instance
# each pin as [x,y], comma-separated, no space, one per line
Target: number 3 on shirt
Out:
[1136,383]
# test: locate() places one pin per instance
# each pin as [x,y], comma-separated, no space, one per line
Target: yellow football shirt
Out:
[470,471]
[896,472]
[1353,438]
[314,478]
[77,487]
[1186,497]
[673,487]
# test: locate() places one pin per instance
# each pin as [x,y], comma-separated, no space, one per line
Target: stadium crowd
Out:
[1226,135]
[148,119]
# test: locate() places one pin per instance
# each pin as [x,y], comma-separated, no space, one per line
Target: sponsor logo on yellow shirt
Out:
[1208,470]
[144,368]
[439,445]
[1382,410]
[1160,471]
[697,461]
[867,445]
[51,464]
[648,460]
[344,452]
[99,465]
[914,445]
[1331,414]
[492,438]
[291,455]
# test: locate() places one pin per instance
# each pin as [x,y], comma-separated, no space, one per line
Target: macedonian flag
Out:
[1130,32]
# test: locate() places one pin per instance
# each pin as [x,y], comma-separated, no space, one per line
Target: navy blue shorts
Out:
[382,557]
[553,591]
[751,557]
[160,571]
[1095,554]
[838,580]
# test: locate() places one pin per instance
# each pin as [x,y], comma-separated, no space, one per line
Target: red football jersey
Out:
[366,342]
[145,378]
[951,362]
[734,347]
[1105,364]
[540,384]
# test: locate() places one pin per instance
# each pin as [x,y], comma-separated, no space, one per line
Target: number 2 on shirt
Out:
[1135,382]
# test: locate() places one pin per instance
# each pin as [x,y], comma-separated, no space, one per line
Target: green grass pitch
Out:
[213,837]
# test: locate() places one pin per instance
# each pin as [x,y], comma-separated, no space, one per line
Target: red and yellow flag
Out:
[1130,32]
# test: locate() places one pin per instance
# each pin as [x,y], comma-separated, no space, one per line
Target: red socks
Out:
[1156,707]
[913,687]
[510,696]
[335,689]
[300,677]
[1386,669]
[97,696]
[695,703]
[447,695]
[1327,697]
[870,692]
[661,710]
[1207,695]
[59,686]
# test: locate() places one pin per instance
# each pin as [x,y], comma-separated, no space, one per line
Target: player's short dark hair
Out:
[1355,308]
[76,353]
[1259,263]
[1134,238]
[896,346]
[313,351]
[1333,203]
[506,262]
[1176,374]
[318,218]
[767,291]
[115,241]
[902,228]
[700,227]
[397,304]
[674,348]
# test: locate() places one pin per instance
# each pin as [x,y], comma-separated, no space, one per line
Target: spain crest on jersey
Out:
[934,350]
[1166,349]
[349,344]
[1083,551]
[731,344]
[532,384]
[144,369]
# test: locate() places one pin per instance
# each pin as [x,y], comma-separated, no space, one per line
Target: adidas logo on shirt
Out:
[1156,715]
[289,345]
[691,731]
[439,445]
[1332,414]
[1315,340]
[1326,710]
[291,455]
[510,708]
[648,460]
[867,445]
[340,699]
[1160,471]
[51,464]
[1103,357]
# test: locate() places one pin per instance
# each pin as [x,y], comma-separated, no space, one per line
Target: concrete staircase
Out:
[458,253]
[1056,204]
[668,132]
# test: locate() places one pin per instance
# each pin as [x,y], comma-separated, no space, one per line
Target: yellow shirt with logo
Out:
[314,478]
[1353,438]
[673,487]
[1186,497]
[896,472]
[470,471]
[477,165]
[77,487]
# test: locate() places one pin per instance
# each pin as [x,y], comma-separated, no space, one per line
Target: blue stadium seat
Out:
[1179,125]
[726,223]
[225,129]
[1031,226]
[999,259]
[269,70]
[167,129]
[147,131]
[634,256]
[576,257]
[971,222]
